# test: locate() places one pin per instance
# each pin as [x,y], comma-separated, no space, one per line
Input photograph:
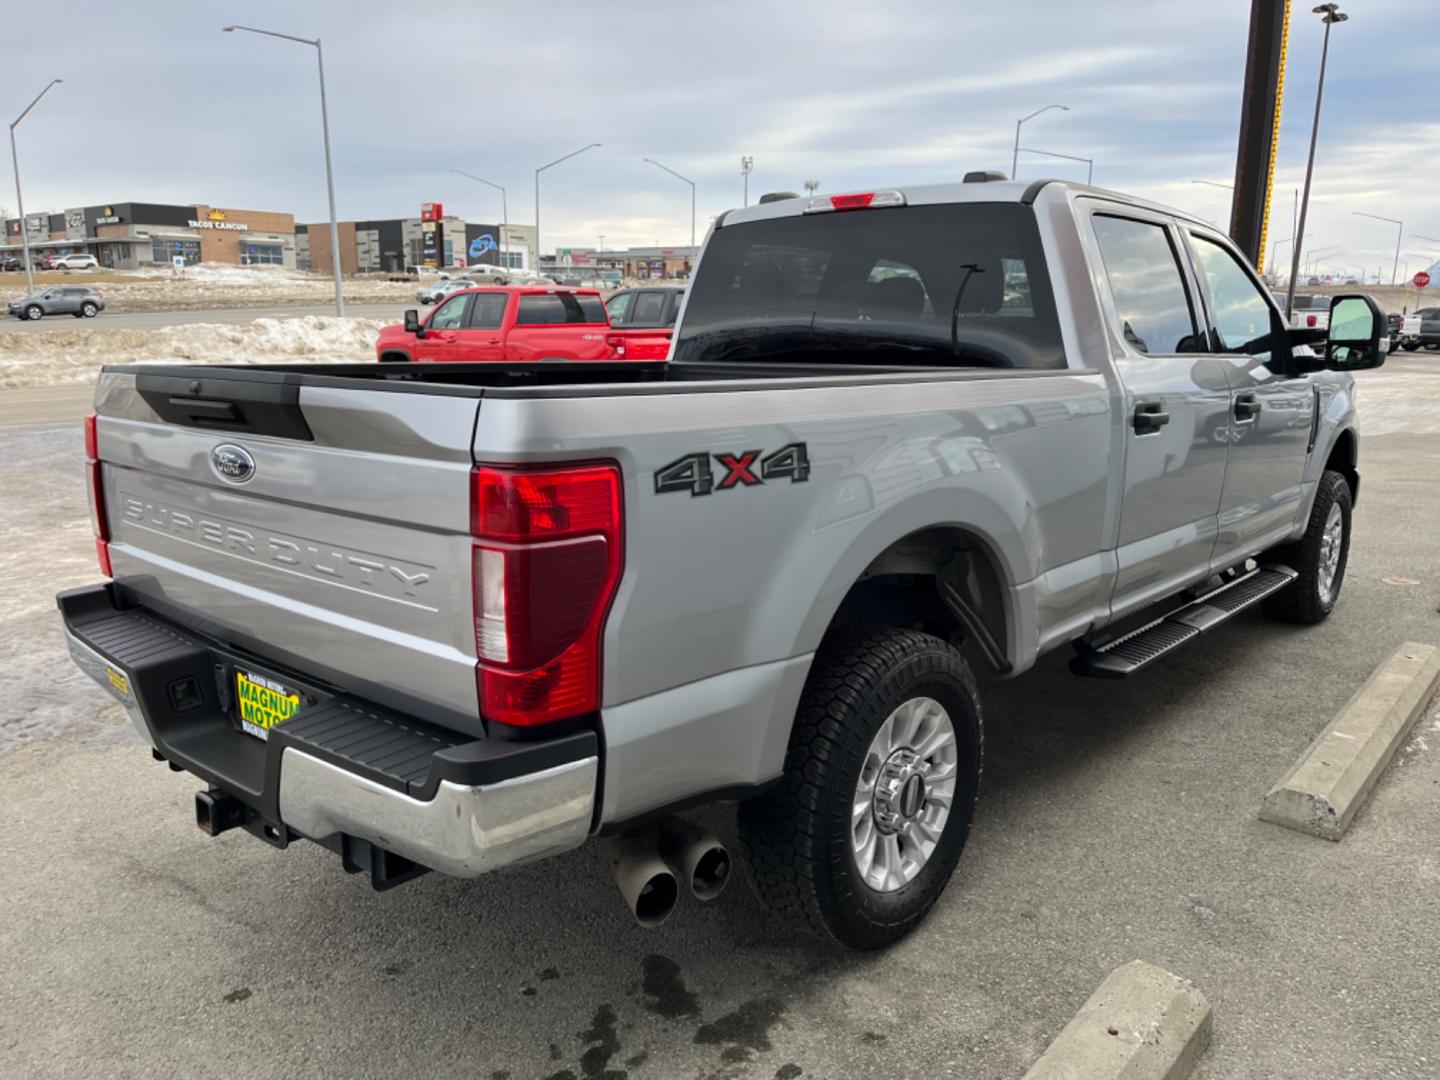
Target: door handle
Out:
[1150,417]
[448,335]
[1247,408]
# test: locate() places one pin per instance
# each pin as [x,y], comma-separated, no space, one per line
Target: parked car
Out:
[1427,334]
[46,261]
[495,323]
[487,274]
[438,290]
[463,617]
[78,261]
[82,301]
[644,319]
[11,263]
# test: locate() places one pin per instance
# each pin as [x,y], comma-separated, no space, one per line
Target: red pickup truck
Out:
[506,324]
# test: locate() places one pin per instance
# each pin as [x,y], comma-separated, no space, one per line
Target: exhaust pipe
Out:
[696,856]
[648,885]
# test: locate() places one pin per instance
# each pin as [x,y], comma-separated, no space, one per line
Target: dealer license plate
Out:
[263,703]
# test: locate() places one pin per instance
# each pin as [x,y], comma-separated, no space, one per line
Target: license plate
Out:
[263,703]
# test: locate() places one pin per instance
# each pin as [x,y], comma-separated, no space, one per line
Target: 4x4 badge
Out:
[695,473]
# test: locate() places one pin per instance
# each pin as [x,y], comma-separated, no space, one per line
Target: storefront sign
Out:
[431,211]
[233,226]
[108,219]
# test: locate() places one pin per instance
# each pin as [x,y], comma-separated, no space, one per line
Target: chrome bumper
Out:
[462,831]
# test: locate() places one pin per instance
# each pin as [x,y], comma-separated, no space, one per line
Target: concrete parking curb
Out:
[1322,792]
[1142,1023]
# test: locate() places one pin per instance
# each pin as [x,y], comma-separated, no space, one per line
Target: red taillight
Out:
[95,485]
[616,342]
[1311,320]
[546,563]
[857,201]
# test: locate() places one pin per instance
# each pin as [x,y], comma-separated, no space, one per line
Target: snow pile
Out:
[232,275]
[64,357]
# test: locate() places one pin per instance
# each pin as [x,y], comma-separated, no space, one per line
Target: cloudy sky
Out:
[159,105]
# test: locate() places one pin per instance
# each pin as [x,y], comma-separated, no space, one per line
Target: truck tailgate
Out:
[325,530]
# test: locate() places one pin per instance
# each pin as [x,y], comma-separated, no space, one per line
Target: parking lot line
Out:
[1322,792]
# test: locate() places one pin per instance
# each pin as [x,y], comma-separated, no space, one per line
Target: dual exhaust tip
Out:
[650,865]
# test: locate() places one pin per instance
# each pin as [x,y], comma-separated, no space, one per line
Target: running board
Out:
[1130,652]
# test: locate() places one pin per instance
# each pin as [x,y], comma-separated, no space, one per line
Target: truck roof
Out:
[1015,191]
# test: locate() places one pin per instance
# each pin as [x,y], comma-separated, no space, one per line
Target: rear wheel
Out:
[863,832]
[88,310]
[1410,346]
[1320,556]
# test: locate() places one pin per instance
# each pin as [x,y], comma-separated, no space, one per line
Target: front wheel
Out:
[1320,556]
[34,312]
[862,834]
[1410,346]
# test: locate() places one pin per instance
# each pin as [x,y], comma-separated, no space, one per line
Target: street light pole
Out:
[746,164]
[1015,155]
[677,176]
[1276,245]
[19,199]
[538,171]
[504,211]
[1331,14]
[329,168]
[1399,233]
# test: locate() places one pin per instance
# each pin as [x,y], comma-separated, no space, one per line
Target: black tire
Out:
[34,312]
[797,836]
[1410,346]
[1308,600]
[88,310]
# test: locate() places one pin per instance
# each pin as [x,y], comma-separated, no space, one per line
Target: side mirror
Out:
[1359,335]
[412,323]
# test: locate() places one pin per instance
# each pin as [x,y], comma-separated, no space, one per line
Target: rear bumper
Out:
[340,770]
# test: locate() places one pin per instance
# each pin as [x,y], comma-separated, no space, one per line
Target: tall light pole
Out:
[1275,246]
[325,132]
[19,200]
[1015,156]
[687,180]
[1089,176]
[1399,233]
[1331,14]
[504,210]
[746,164]
[538,171]
[811,186]
[1314,256]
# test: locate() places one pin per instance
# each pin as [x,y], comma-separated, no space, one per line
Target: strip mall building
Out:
[127,236]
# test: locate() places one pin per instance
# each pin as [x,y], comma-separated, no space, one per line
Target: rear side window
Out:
[487,311]
[952,285]
[1145,282]
[649,308]
[554,309]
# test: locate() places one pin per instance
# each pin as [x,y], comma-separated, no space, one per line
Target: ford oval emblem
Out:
[232,463]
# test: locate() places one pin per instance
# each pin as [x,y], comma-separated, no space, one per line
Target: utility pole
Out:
[746,164]
[1331,14]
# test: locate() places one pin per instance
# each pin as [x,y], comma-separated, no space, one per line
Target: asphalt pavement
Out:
[1116,821]
[155,320]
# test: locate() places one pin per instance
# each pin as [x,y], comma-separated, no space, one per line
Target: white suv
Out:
[77,262]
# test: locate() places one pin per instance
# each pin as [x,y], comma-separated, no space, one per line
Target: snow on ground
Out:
[229,275]
[75,356]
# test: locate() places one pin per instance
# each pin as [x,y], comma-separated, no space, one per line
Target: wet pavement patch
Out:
[789,1071]
[747,1027]
[238,995]
[606,1044]
[664,983]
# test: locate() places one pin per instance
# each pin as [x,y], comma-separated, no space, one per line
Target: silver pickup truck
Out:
[462,616]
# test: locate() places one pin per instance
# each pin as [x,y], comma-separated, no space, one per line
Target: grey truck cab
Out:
[458,617]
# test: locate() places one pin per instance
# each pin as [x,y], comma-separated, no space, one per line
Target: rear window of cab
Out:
[953,285]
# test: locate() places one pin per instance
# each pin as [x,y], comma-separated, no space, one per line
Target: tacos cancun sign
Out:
[235,226]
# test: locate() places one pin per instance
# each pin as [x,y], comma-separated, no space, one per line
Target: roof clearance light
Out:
[858,200]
